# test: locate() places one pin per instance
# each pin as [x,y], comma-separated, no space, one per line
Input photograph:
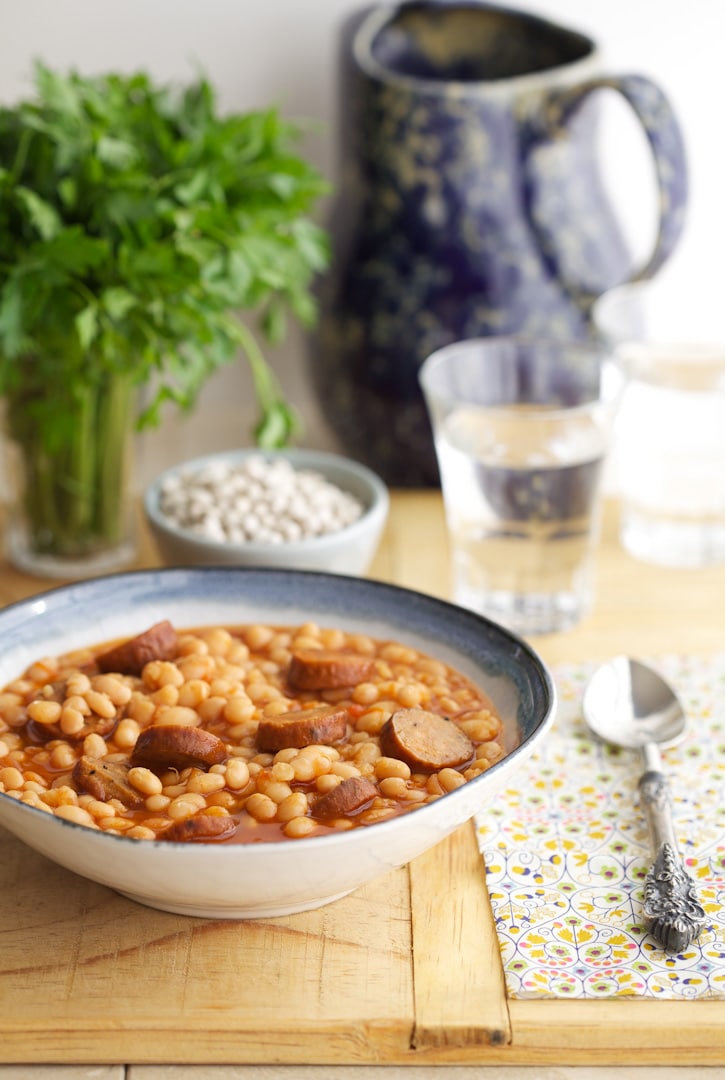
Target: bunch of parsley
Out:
[137,225]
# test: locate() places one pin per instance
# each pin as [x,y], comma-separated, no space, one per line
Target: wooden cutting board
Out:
[406,970]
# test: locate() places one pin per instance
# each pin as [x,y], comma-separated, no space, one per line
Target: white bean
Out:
[256,500]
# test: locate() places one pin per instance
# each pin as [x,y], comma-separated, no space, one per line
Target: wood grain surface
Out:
[404,970]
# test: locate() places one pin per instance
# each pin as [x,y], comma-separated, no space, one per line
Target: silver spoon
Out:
[630,705]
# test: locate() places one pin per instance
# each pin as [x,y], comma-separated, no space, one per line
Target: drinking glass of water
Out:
[522,428]
[668,335]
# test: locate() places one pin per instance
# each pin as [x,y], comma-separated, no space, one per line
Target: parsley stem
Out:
[278,420]
[266,386]
[72,490]
[21,153]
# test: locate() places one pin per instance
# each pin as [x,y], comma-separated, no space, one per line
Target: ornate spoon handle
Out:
[671,908]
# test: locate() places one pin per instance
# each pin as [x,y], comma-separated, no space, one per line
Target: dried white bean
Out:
[256,500]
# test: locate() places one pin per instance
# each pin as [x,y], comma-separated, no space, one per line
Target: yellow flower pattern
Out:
[567,850]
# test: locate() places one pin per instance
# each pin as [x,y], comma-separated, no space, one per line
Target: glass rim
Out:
[538,411]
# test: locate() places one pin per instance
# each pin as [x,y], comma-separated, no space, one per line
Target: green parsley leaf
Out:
[87,325]
[140,230]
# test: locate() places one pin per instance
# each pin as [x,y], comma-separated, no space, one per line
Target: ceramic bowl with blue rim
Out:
[263,879]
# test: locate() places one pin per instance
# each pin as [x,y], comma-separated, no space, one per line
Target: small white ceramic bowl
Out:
[349,550]
[266,879]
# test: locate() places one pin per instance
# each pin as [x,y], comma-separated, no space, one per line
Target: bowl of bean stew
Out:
[293,509]
[233,742]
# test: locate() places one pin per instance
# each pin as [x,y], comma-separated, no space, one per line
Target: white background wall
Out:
[284,52]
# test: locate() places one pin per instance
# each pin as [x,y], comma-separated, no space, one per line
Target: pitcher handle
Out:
[664,136]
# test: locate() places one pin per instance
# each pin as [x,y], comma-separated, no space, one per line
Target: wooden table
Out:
[406,970]
[639,608]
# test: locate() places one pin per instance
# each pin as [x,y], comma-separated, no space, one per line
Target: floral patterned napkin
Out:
[567,851]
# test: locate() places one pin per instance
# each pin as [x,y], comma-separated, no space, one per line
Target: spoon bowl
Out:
[631,705]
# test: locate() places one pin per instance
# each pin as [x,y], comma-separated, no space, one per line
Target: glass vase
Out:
[68,451]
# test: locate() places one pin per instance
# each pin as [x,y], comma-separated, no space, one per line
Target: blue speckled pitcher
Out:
[471,203]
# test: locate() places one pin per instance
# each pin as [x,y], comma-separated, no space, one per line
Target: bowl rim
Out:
[374,511]
[37,605]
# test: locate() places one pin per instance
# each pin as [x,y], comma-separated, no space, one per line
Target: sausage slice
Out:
[201,827]
[425,741]
[37,734]
[106,780]
[177,747]
[322,669]
[129,658]
[349,795]
[325,724]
